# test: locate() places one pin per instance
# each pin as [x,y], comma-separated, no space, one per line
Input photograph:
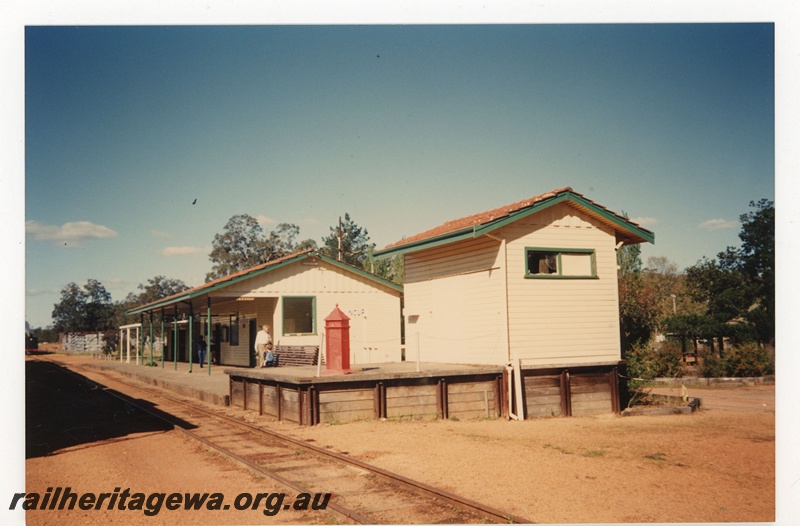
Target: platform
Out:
[213,388]
[307,396]
[406,390]
[309,374]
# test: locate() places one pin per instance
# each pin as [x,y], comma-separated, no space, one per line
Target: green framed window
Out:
[549,263]
[299,315]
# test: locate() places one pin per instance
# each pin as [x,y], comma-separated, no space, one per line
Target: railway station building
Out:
[292,295]
[532,284]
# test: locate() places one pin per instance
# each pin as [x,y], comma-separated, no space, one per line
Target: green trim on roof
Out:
[202,291]
[450,237]
[485,228]
[361,272]
[648,236]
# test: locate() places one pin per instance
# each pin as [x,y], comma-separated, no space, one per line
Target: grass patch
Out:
[560,449]
[594,453]
[656,456]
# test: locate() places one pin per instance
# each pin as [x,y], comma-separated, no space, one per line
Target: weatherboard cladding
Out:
[562,320]
[227,282]
[470,306]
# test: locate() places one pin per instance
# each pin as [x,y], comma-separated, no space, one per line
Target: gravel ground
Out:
[717,465]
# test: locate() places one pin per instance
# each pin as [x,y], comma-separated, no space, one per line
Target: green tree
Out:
[756,260]
[47,334]
[724,291]
[739,286]
[349,243]
[239,246]
[638,311]
[392,268]
[669,287]
[81,309]
[68,314]
[629,260]
[156,288]
[243,244]
[98,306]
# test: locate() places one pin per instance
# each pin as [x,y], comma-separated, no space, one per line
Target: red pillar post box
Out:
[337,343]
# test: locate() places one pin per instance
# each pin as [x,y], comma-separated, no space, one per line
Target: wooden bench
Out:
[293,355]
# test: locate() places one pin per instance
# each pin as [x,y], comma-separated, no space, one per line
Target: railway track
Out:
[361,493]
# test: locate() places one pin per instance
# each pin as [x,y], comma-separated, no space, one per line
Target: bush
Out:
[645,364]
[747,359]
[664,360]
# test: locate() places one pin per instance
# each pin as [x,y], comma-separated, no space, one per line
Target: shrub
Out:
[747,359]
[664,360]
[645,364]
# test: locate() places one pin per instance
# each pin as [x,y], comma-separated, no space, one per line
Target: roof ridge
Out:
[481,217]
[233,275]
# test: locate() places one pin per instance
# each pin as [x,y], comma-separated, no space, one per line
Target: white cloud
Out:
[160,233]
[718,224]
[264,220]
[645,221]
[74,232]
[181,251]
[41,292]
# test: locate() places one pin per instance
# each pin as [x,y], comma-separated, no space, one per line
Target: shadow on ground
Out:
[64,409]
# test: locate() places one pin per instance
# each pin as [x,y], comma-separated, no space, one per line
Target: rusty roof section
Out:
[496,214]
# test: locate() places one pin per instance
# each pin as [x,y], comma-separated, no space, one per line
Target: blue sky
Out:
[402,126]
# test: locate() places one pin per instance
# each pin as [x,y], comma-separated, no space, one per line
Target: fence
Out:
[82,341]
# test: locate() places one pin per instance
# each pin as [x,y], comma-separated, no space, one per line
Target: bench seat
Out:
[294,355]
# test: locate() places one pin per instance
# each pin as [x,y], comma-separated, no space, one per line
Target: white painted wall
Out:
[374,310]
[455,304]
[562,321]
[456,299]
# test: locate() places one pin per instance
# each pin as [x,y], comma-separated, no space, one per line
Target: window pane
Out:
[576,264]
[298,315]
[542,262]
[235,331]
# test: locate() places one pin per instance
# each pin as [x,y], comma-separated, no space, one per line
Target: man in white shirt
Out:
[263,344]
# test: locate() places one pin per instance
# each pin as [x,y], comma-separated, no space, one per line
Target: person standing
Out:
[263,343]
[201,350]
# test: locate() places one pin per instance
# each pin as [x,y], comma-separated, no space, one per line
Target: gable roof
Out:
[485,222]
[257,270]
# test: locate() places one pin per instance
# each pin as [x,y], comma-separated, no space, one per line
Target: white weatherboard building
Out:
[531,285]
[292,295]
[534,281]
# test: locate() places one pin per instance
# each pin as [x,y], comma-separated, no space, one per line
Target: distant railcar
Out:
[31,344]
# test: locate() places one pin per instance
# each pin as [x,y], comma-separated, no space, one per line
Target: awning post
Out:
[175,338]
[151,338]
[163,338]
[189,336]
[208,334]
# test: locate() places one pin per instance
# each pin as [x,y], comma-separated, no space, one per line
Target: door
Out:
[252,342]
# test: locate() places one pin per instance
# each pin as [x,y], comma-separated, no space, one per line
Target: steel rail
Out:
[176,423]
[422,488]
